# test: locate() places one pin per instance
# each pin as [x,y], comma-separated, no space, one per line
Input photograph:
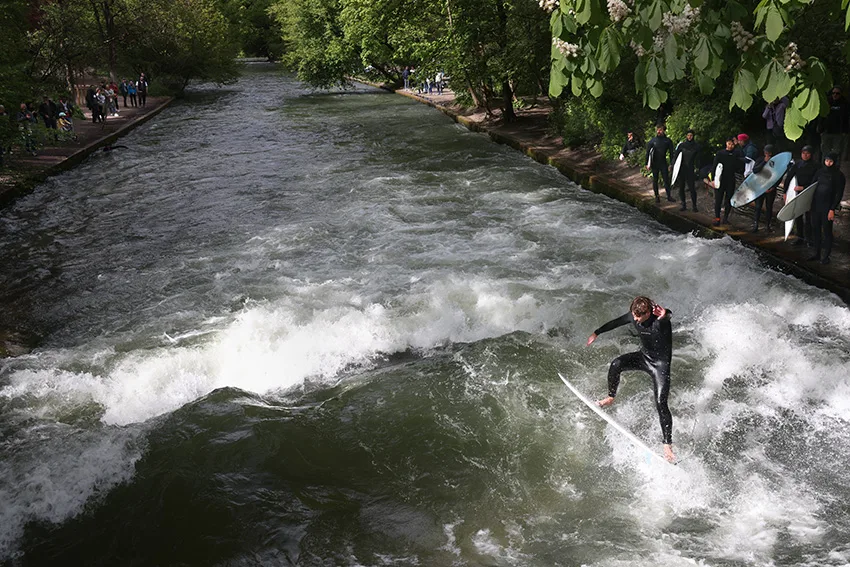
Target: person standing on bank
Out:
[827,200]
[142,89]
[652,323]
[689,148]
[658,148]
[732,164]
[768,197]
[835,126]
[804,170]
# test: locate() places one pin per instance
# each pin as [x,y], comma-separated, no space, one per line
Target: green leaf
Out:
[702,53]
[655,15]
[575,84]
[847,20]
[706,85]
[735,12]
[595,87]
[740,97]
[556,23]
[812,108]
[774,24]
[651,98]
[640,76]
[794,123]
[652,72]
[557,82]
[818,73]
[584,11]
[802,99]
[748,81]
[779,84]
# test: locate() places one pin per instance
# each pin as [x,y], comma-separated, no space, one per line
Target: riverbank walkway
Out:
[532,135]
[23,171]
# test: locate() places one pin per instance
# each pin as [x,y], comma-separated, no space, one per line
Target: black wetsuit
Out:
[689,151]
[659,146]
[656,337]
[828,195]
[767,198]
[732,164]
[804,171]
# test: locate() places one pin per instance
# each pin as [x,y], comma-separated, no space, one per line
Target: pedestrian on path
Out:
[131,92]
[142,89]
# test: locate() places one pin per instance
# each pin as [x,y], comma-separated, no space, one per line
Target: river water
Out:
[287,327]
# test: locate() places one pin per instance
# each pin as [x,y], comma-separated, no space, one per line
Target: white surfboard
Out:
[648,453]
[718,171]
[649,161]
[790,195]
[800,205]
[676,167]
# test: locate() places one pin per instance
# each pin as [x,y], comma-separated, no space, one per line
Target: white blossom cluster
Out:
[567,49]
[792,59]
[618,10]
[658,39]
[637,48]
[549,5]
[681,23]
[743,39]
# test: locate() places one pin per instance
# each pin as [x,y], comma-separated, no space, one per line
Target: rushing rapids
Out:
[325,329]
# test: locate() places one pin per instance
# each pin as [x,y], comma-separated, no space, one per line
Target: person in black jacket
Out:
[827,200]
[656,157]
[652,323]
[732,164]
[689,148]
[835,126]
[804,171]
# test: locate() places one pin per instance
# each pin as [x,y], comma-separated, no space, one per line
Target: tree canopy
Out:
[770,48]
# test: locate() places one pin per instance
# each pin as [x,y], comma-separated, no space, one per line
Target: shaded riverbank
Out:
[24,171]
[531,135]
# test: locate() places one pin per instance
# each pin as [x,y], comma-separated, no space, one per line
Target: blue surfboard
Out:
[757,184]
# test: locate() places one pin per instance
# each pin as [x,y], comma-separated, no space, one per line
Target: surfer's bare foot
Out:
[605,402]
[668,453]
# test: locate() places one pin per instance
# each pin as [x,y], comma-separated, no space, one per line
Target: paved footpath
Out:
[25,171]
[531,134]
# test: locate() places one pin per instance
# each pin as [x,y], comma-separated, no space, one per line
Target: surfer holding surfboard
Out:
[688,150]
[656,160]
[730,165]
[652,323]
[803,171]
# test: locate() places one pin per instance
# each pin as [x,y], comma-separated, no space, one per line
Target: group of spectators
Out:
[741,157]
[58,117]
[428,85]
[102,101]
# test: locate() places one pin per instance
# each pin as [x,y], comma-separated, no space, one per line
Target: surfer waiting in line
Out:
[688,148]
[656,157]
[768,197]
[732,164]
[652,323]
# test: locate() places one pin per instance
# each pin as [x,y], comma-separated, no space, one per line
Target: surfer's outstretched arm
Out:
[613,324]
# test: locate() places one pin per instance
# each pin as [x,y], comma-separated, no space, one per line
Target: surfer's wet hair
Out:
[641,305]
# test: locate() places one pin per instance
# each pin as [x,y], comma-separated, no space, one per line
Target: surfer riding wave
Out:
[652,323]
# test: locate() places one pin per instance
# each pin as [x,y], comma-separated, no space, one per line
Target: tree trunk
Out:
[508,100]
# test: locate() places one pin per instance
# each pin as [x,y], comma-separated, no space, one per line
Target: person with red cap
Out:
[748,148]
